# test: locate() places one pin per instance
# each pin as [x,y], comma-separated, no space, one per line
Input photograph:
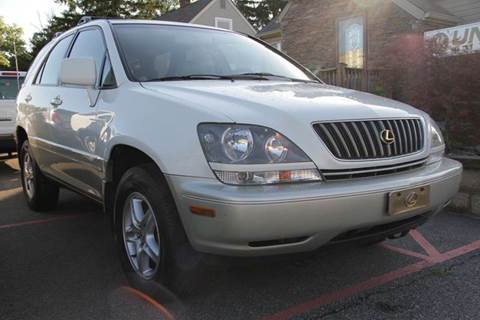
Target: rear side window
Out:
[51,69]
[89,44]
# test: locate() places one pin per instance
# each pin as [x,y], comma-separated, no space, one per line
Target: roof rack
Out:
[86,19]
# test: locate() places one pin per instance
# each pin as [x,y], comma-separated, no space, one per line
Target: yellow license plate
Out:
[400,202]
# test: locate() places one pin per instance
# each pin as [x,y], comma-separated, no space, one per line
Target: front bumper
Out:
[250,220]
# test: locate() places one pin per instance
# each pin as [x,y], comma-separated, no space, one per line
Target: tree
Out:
[119,8]
[10,35]
[260,12]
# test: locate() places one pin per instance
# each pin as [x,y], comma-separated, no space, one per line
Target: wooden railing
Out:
[357,79]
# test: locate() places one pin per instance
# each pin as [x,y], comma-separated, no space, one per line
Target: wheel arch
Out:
[20,136]
[122,157]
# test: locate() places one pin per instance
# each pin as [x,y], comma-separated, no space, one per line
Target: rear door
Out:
[36,102]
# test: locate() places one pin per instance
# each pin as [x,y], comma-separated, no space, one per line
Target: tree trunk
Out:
[184,3]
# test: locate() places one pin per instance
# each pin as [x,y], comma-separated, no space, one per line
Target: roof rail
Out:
[86,19]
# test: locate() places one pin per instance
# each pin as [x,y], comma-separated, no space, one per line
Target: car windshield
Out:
[9,87]
[165,52]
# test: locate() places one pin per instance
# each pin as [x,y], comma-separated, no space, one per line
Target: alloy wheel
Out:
[141,236]
[28,175]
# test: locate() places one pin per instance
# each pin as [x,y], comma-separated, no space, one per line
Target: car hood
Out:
[267,103]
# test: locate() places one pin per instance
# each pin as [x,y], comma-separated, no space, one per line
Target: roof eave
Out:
[442,17]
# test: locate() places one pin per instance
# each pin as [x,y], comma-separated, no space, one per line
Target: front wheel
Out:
[40,192]
[150,236]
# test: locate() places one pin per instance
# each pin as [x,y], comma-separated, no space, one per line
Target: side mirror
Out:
[78,72]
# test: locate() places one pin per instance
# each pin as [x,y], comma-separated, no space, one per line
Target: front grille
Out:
[361,140]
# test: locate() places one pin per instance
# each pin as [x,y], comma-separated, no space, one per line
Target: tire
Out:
[40,192]
[171,259]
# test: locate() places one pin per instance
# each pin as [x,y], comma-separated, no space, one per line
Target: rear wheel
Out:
[40,192]
[152,242]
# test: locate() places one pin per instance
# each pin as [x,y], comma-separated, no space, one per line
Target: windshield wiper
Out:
[232,77]
[192,77]
[267,75]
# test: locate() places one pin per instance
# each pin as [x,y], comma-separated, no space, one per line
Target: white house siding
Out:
[215,10]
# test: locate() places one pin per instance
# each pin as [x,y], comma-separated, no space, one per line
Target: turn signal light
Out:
[206,212]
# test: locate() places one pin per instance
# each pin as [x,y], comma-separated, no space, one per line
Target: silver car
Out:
[197,139]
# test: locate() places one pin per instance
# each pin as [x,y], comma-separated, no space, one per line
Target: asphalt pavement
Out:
[64,265]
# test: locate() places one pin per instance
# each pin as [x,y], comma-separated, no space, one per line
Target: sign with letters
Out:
[463,39]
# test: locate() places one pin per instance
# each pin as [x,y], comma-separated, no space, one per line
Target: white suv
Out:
[10,84]
[198,139]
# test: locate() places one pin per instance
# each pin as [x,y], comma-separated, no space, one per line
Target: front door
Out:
[76,128]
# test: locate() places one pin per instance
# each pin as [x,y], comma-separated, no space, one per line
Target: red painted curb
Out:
[434,258]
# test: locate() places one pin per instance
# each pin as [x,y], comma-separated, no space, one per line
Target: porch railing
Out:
[357,79]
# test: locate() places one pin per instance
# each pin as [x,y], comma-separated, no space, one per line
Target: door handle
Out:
[56,102]
[28,98]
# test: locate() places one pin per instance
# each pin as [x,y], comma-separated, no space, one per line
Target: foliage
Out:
[447,87]
[8,35]
[260,12]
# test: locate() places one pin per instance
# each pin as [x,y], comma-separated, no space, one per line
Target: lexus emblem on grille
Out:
[387,136]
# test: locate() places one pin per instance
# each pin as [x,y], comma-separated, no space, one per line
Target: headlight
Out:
[254,155]
[237,143]
[276,148]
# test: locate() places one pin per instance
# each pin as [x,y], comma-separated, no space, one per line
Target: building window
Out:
[351,37]
[224,23]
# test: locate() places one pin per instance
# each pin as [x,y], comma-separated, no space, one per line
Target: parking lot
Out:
[63,265]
